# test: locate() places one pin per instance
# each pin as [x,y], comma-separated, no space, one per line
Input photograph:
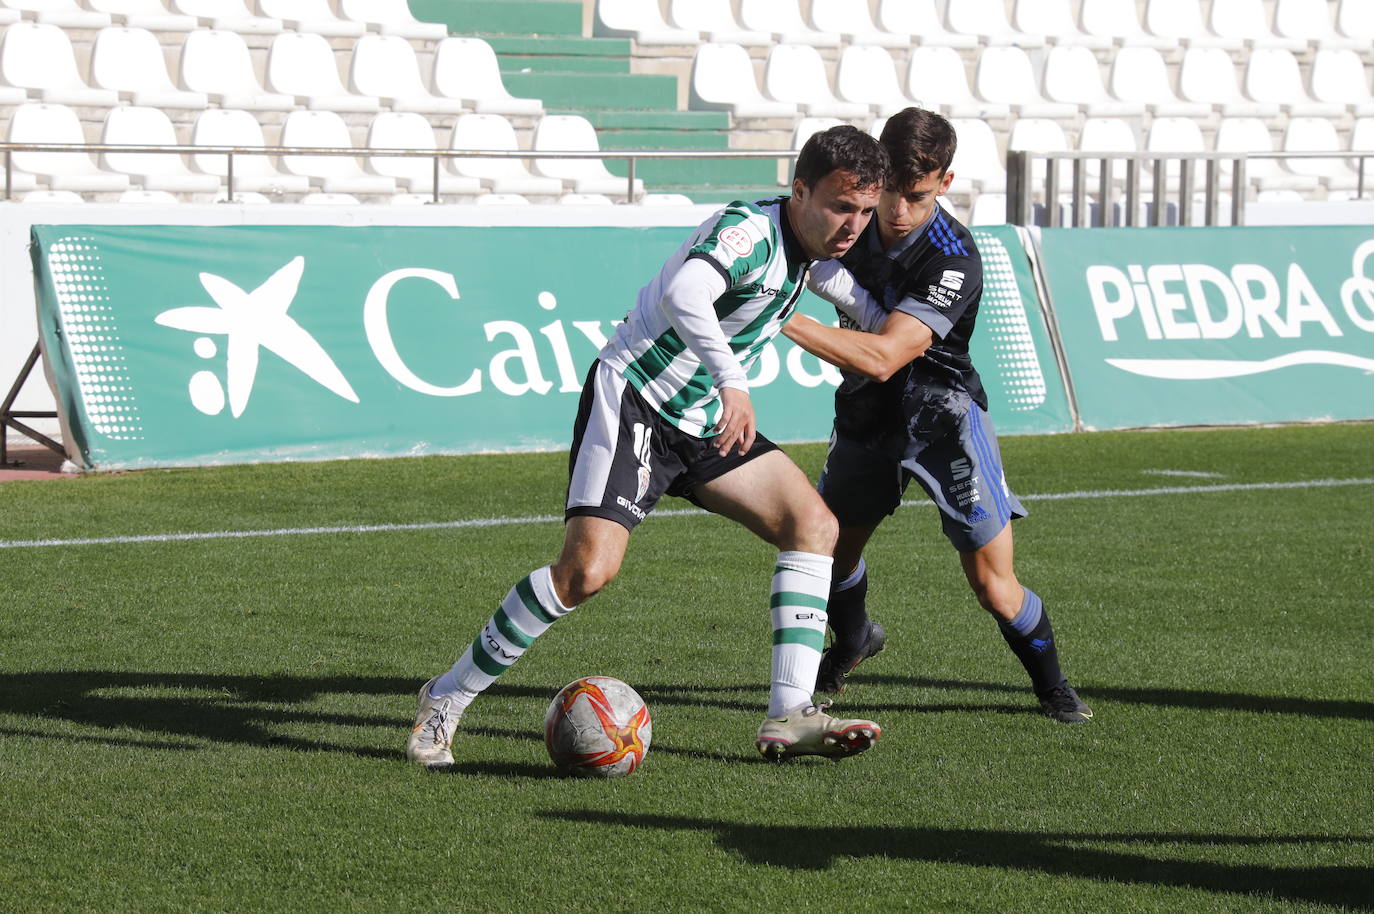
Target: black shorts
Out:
[625,456]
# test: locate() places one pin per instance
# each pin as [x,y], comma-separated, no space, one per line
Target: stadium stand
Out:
[919,21]
[1054,19]
[408,130]
[386,67]
[218,63]
[128,61]
[715,21]
[988,20]
[144,14]
[867,75]
[38,57]
[466,69]
[492,132]
[313,16]
[232,15]
[1005,76]
[782,19]
[253,174]
[935,78]
[852,19]
[723,79]
[570,133]
[302,65]
[38,122]
[331,174]
[64,14]
[136,126]
[795,74]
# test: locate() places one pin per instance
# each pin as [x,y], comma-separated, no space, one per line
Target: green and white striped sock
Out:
[801,585]
[525,614]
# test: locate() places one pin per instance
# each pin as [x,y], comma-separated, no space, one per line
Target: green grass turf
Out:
[217,725]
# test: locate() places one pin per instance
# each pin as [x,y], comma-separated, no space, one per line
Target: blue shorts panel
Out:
[961,473]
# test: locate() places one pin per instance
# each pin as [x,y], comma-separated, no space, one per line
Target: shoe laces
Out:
[1062,697]
[437,727]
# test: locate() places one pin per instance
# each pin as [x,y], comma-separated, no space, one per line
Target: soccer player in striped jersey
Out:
[912,406]
[666,409]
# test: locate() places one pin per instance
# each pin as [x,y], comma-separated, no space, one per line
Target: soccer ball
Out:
[597,727]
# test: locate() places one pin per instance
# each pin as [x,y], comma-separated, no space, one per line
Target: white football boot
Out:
[808,730]
[431,739]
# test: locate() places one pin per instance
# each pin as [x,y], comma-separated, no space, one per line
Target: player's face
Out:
[829,217]
[901,211]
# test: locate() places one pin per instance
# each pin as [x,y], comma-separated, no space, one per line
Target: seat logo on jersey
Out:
[737,240]
[643,434]
[953,279]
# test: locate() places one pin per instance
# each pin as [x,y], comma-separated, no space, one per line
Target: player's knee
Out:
[999,595]
[814,530]
[579,583]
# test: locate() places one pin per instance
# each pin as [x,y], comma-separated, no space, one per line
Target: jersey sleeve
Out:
[940,293]
[740,242]
[836,285]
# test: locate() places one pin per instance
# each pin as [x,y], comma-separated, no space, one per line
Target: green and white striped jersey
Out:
[753,247]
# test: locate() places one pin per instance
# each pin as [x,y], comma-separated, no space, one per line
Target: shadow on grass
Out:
[809,847]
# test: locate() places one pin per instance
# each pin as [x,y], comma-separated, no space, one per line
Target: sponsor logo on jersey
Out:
[941,297]
[978,515]
[953,279]
[961,468]
[737,240]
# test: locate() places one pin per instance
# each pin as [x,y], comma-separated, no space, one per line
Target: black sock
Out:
[1031,638]
[848,615]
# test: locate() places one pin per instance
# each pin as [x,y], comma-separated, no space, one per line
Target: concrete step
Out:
[587,91]
[507,17]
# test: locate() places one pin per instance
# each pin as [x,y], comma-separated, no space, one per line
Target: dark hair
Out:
[919,142]
[842,148]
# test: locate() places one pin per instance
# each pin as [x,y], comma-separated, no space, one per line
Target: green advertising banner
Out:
[177,345]
[1198,326]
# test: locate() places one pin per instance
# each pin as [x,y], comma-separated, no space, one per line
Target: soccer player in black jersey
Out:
[912,406]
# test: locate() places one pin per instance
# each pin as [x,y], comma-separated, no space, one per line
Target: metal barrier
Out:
[1022,190]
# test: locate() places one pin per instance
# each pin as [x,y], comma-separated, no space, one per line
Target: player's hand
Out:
[737,425]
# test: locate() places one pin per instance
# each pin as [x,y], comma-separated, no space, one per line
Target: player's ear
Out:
[799,189]
[944,183]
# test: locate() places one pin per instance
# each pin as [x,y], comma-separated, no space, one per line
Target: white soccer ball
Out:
[597,727]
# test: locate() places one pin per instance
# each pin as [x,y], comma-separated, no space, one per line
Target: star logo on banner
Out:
[252,321]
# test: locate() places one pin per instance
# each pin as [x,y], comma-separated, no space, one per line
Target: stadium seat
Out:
[53,196]
[406,130]
[1175,134]
[467,69]
[64,14]
[714,20]
[1244,21]
[935,77]
[334,174]
[1005,76]
[502,200]
[1362,140]
[919,22]
[988,20]
[1039,134]
[572,133]
[806,126]
[231,15]
[40,59]
[1107,135]
[988,209]
[1140,75]
[1180,21]
[144,14]
[129,61]
[666,200]
[145,197]
[19,180]
[1251,134]
[1339,78]
[976,160]
[638,20]
[311,16]
[499,175]
[783,20]
[867,75]
[852,19]
[391,17]
[585,200]
[1272,75]
[302,65]
[1310,20]
[8,15]
[1117,20]
[1355,19]
[795,74]
[1072,75]
[1053,18]
[252,173]
[137,126]
[58,124]
[385,66]
[1208,76]
[217,62]
[1318,134]
[723,80]
[875,129]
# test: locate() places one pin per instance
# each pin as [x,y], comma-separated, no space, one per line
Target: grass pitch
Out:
[217,724]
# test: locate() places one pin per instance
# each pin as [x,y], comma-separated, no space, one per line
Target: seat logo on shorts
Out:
[642,451]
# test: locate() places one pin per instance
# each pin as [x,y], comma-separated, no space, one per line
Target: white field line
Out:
[480,522]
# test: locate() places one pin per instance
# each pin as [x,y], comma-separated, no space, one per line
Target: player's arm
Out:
[874,355]
[832,282]
[689,304]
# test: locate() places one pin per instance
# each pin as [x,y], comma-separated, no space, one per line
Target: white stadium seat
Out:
[1318,134]
[638,20]
[976,160]
[391,17]
[723,80]
[1005,76]
[499,175]
[1339,77]
[303,66]
[571,133]
[867,75]
[311,16]
[218,63]
[65,14]
[988,20]
[1139,74]
[227,14]
[333,174]
[74,171]
[1251,134]
[1107,135]
[783,20]
[40,58]
[1175,134]
[1053,18]
[1355,19]
[129,61]
[851,19]
[1208,76]
[1180,21]
[1244,20]
[19,180]
[795,73]
[467,69]
[252,173]
[1310,20]
[144,14]
[406,130]
[919,22]
[1072,75]
[136,126]
[935,78]
[715,21]
[385,66]
[1040,134]
[1273,75]
[807,126]
[1117,20]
